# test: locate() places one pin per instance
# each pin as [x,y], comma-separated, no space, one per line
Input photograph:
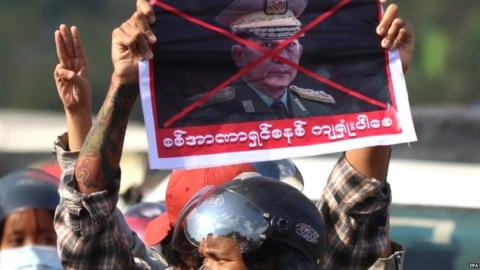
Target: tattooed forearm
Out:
[100,155]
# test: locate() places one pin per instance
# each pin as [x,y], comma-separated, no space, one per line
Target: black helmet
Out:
[253,210]
[283,170]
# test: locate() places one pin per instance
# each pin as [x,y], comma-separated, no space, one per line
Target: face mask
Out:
[30,258]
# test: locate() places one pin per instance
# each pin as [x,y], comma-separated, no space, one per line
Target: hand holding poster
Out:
[249,80]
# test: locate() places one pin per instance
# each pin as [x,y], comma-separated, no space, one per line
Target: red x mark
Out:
[267,53]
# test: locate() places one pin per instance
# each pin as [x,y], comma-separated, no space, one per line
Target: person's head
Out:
[182,185]
[28,227]
[28,199]
[271,76]
[267,23]
[271,224]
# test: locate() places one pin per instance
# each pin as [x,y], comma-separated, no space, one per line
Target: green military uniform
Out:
[240,103]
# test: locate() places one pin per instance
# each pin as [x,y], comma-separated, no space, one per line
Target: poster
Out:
[252,80]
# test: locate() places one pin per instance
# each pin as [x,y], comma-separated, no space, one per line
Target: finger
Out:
[392,33]
[65,74]
[144,8]
[56,75]
[140,22]
[77,44]
[67,39]
[60,46]
[125,39]
[70,76]
[387,19]
[404,34]
[144,48]
[131,35]
[78,64]
[137,41]
[400,38]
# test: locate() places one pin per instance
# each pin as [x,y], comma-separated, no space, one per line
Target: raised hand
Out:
[99,158]
[131,43]
[72,84]
[71,73]
[397,33]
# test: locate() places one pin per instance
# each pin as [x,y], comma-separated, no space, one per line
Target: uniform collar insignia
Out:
[300,105]
[248,106]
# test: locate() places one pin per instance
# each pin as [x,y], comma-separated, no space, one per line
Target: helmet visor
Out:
[221,213]
[283,170]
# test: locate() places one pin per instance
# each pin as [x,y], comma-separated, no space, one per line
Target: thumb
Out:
[81,81]
[65,74]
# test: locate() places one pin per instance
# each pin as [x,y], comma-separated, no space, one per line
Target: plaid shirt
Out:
[355,211]
[92,233]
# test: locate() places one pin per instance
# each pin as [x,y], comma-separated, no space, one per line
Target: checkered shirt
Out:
[355,210]
[92,233]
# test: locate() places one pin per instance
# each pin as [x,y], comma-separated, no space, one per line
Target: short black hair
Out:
[171,255]
[168,252]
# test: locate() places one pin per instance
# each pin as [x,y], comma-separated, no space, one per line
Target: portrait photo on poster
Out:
[242,80]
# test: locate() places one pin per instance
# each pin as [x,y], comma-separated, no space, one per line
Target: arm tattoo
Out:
[100,155]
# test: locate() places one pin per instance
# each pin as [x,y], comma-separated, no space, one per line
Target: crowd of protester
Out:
[234,217]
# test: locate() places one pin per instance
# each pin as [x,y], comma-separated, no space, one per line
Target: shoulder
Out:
[224,95]
[311,94]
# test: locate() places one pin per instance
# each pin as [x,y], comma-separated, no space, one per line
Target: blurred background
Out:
[436,211]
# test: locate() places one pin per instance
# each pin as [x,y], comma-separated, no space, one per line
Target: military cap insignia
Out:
[311,94]
[223,95]
[274,7]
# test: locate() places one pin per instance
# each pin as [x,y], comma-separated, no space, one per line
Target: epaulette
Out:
[223,95]
[311,94]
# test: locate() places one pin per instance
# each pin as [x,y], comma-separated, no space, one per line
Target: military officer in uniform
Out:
[266,92]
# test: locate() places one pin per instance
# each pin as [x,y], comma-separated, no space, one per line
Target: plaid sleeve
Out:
[355,210]
[88,234]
